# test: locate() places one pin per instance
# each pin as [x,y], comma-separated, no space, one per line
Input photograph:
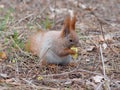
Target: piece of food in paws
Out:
[76,50]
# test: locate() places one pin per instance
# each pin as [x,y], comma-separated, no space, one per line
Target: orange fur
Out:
[32,45]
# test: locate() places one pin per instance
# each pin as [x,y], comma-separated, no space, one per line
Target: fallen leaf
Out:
[104,45]
[101,39]
[3,55]
[90,48]
[3,75]
[98,78]
[107,37]
[68,82]
[87,60]
[39,78]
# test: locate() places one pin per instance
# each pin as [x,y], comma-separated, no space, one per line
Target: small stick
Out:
[66,73]
[102,61]
[24,18]
[29,82]
[20,48]
[99,86]
[104,73]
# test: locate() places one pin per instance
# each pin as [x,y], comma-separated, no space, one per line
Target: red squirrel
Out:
[53,47]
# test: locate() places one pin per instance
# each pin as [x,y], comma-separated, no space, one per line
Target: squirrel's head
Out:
[68,32]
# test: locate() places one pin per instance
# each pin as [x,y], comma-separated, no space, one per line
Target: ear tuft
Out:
[69,23]
[66,26]
[73,20]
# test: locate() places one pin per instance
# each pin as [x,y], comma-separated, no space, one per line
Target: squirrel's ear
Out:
[66,27]
[73,21]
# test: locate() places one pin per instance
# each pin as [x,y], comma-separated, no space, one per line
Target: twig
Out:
[40,61]
[20,48]
[17,74]
[99,86]
[101,22]
[104,73]
[24,18]
[63,80]
[102,61]
[66,73]
[38,87]
[57,22]
[89,72]
[54,20]
[46,6]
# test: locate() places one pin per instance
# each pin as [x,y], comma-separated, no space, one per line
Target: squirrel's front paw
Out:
[72,52]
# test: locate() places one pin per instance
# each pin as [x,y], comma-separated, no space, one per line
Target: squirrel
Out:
[53,47]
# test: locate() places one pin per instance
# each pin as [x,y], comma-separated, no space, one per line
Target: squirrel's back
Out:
[42,40]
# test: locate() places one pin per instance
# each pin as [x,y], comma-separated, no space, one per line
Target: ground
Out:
[98,63]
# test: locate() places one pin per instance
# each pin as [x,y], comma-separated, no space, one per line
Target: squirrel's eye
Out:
[71,40]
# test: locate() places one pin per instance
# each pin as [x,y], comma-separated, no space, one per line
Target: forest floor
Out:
[98,62]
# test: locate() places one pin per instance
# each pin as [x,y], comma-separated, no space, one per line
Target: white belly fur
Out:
[49,55]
